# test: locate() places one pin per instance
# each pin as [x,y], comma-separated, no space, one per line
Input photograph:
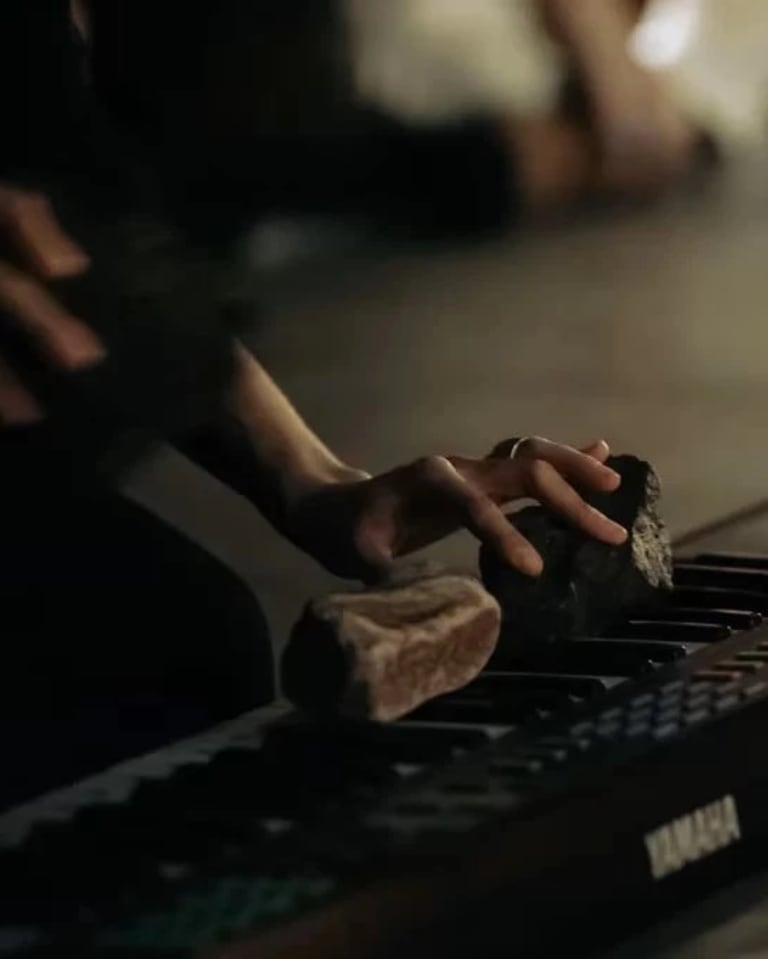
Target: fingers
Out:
[599,450]
[30,221]
[548,486]
[17,406]
[68,342]
[551,474]
[482,517]
[585,469]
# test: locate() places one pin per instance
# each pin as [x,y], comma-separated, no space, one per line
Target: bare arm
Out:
[356,525]
[261,446]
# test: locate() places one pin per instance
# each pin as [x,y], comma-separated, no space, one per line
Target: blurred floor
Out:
[649,330]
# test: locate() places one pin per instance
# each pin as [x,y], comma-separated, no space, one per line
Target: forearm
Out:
[596,33]
[262,448]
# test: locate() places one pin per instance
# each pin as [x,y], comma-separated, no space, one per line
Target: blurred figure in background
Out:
[579,114]
[433,116]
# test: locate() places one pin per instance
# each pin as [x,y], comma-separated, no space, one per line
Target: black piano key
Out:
[740,560]
[715,597]
[514,697]
[614,657]
[725,577]
[736,619]
[671,632]
[627,657]
[511,682]
[481,707]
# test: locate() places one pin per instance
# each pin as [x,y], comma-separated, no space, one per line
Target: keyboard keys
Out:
[754,656]
[735,619]
[666,730]
[617,657]
[740,560]
[579,687]
[738,664]
[674,632]
[724,577]
[475,707]
[693,717]
[638,729]
[718,597]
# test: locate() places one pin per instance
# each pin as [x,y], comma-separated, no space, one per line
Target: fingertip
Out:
[598,449]
[614,533]
[65,262]
[621,534]
[611,479]
[526,561]
[20,409]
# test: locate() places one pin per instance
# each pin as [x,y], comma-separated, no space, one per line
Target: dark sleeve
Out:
[223,449]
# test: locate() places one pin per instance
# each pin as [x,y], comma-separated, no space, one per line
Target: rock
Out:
[380,653]
[586,586]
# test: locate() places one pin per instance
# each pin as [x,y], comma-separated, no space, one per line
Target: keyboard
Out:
[548,805]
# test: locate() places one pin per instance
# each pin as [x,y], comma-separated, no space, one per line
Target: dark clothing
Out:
[118,633]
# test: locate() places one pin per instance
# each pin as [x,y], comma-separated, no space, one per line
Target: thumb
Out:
[373,544]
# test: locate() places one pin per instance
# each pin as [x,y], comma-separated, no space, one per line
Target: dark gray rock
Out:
[586,586]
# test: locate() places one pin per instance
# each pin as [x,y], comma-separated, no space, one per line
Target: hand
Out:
[29,226]
[356,529]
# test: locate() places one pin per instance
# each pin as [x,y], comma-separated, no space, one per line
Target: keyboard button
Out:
[551,748]
[643,699]
[640,715]
[668,715]
[725,703]
[609,715]
[666,730]
[582,729]
[637,729]
[608,730]
[695,716]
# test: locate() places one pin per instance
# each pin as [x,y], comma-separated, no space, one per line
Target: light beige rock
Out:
[378,654]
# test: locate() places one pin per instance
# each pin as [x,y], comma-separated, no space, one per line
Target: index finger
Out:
[29,219]
[485,520]
[582,468]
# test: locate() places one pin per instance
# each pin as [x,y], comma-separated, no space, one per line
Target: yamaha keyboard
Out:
[544,806]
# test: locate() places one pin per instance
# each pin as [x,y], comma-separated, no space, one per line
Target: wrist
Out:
[297,484]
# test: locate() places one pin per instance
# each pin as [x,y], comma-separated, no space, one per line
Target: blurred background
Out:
[473,219]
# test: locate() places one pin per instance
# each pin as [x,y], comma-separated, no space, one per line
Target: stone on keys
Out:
[586,586]
[380,653]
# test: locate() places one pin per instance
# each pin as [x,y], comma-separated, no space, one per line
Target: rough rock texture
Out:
[380,653]
[586,585]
